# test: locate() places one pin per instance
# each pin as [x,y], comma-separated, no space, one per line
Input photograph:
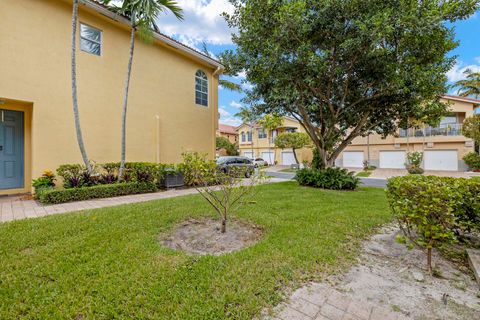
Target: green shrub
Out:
[76,175]
[472,160]
[53,196]
[224,143]
[329,178]
[72,175]
[195,164]
[45,181]
[414,161]
[432,211]
[317,161]
[467,211]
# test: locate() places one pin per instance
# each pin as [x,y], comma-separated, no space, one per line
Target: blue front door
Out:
[11,149]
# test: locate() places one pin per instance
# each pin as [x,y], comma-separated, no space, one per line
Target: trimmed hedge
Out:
[53,196]
[436,197]
[329,178]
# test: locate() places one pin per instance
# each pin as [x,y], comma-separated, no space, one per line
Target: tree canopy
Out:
[344,68]
[471,128]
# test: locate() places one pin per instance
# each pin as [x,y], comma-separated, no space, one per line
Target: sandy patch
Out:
[203,237]
[388,274]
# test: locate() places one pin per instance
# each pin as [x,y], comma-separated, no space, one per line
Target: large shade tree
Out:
[142,15]
[344,68]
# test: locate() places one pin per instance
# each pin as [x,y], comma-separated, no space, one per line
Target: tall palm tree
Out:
[227,84]
[271,122]
[142,15]
[469,86]
[76,115]
[249,117]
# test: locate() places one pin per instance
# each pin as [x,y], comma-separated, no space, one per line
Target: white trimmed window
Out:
[90,40]
[201,88]
[262,133]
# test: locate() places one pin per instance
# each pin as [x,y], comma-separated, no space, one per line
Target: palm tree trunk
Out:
[125,104]
[76,115]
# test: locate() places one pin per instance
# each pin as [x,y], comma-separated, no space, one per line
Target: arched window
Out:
[201,88]
[243,136]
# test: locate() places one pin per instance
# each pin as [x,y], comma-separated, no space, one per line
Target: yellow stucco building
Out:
[443,146]
[173,94]
[256,142]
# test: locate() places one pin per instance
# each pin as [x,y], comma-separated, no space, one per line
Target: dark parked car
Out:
[243,164]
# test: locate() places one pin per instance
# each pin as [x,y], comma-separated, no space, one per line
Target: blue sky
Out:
[203,23]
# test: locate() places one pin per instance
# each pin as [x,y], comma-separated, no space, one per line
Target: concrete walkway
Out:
[19,207]
[321,302]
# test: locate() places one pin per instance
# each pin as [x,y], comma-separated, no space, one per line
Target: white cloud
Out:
[223,112]
[227,118]
[203,22]
[235,105]
[231,121]
[457,72]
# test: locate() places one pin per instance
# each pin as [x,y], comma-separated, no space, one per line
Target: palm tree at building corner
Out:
[142,15]
[76,115]
[470,86]
[227,84]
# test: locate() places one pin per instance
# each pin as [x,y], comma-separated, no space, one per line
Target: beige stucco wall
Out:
[393,143]
[163,119]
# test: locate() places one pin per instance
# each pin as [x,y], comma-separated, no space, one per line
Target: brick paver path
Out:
[14,208]
[321,302]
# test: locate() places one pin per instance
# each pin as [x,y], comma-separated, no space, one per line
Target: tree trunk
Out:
[368,150]
[429,261]
[76,115]
[125,104]
[224,226]
[295,156]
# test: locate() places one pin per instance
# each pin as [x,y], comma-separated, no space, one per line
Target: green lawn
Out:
[364,174]
[289,170]
[107,263]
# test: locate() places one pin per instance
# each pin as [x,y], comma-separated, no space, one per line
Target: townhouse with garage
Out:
[443,146]
[255,142]
[172,104]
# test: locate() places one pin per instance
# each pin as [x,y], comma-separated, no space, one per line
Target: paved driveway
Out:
[367,182]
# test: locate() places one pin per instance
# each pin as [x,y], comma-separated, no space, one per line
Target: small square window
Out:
[90,40]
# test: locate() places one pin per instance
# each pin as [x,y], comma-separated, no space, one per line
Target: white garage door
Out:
[445,160]
[268,156]
[353,159]
[392,159]
[288,158]
[248,154]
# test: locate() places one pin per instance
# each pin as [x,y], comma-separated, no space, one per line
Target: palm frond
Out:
[229,85]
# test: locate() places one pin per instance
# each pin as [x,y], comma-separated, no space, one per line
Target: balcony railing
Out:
[454,129]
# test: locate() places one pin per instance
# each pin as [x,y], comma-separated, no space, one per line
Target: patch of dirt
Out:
[388,274]
[203,237]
